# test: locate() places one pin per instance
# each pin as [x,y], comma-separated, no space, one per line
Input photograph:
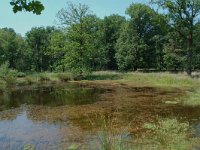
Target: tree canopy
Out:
[148,39]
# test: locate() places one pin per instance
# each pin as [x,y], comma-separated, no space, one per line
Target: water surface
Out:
[53,117]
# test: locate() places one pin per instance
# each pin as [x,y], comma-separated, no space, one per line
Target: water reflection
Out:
[33,115]
[71,94]
[21,131]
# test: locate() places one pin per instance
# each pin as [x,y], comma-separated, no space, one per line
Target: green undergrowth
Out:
[167,134]
[166,80]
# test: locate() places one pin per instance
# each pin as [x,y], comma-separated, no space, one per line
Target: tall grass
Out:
[160,80]
[110,137]
[192,98]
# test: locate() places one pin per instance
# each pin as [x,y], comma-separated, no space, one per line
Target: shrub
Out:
[21,75]
[8,75]
[43,77]
[64,77]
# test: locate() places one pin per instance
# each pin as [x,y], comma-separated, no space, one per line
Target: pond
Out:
[57,116]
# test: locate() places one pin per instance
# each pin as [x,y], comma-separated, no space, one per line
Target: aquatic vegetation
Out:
[169,134]
[111,138]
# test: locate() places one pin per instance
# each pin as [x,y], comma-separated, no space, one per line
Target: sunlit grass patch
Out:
[65,77]
[160,79]
[192,98]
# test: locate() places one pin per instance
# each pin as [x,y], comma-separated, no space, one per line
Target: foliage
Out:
[183,15]
[34,6]
[128,48]
[8,75]
[43,77]
[110,32]
[147,39]
[64,77]
[12,46]
[38,40]
[83,28]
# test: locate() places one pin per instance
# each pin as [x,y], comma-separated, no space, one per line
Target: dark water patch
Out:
[70,94]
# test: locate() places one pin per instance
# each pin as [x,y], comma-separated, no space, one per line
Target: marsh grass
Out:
[169,134]
[110,137]
[44,77]
[104,75]
[192,98]
[166,80]
[65,77]
[166,134]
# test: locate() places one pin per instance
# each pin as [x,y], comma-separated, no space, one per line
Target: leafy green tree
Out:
[38,40]
[129,47]
[34,6]
[196,51]
[12,47]
[77,48]
[111,26]
[148,25]
[183,15]
[83,51]
[57,50]
[174,53]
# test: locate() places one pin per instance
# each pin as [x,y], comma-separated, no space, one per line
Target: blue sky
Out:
[23,22]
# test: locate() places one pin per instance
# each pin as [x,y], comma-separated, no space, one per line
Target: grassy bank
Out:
[166,81]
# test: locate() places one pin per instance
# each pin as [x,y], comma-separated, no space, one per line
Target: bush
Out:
[64,77]
[43,77]
[8,75]
[21,75]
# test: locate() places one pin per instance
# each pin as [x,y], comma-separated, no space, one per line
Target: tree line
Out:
[167,39]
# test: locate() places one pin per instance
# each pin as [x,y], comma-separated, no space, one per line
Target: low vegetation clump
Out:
[64,77]
[169,134]
[43,77]
[8,75]
[192,98]
[29,80]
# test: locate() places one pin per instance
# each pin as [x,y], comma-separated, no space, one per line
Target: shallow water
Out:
[53,116]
